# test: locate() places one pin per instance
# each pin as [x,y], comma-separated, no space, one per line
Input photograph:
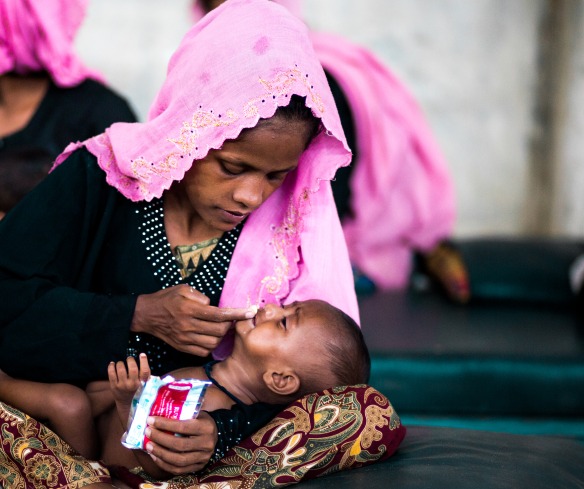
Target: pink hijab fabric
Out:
[237,65]
[402,192]
[38,35]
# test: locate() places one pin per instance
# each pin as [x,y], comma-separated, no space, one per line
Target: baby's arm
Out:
[125,380]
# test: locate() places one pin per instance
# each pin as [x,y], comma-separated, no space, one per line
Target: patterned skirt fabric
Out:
[337,429]
[33,457]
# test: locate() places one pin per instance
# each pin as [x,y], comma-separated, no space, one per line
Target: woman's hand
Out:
[182,317]
[186,453]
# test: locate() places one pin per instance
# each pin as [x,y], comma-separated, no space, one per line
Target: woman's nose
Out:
[250,192]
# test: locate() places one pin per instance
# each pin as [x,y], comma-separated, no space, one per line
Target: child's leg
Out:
[28,396]
[110,431]
[101,397]
[65,408]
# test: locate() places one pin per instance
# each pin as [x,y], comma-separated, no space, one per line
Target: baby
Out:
[280,355]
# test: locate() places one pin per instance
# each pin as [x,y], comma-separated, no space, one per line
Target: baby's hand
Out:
[124,381]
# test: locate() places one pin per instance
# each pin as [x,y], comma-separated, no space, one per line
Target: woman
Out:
[230,159]
[48,97]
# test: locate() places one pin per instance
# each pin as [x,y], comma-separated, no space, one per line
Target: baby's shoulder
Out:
[189,373]
[215,399]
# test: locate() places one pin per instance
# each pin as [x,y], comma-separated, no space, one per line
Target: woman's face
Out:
[231,182]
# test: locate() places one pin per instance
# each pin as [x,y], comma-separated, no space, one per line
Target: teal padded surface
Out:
[520,269]
[454,458]
[467,385]
[433,357]
[525,425]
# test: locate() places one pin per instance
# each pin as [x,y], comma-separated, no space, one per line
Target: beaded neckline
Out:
[211,273]
[208,278]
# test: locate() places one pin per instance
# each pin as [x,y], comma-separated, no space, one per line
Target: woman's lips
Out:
[234,217]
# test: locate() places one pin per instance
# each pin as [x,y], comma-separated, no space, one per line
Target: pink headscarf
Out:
[294,6]
[237,65]
[401,189]
[38,35]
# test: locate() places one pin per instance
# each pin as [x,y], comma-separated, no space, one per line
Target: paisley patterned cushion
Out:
[336,429]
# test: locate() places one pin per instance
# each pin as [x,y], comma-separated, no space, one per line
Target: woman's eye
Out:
[229,169]
[277,177]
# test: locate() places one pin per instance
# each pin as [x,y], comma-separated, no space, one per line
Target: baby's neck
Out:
[237,381]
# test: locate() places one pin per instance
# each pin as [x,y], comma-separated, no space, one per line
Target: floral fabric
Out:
[34,457]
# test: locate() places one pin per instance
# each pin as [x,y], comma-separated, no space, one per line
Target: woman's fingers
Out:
[219,314]
[193,294]
[203,425]
[190,450]
[198,337]
[212,313]
[200,328]
[193,349]
[182,317]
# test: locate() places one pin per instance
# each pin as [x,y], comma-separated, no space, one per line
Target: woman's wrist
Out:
[138,324]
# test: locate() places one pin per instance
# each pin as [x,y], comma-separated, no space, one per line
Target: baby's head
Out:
[301,348]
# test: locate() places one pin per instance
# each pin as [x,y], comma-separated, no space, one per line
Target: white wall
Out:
[131,41]
[471,65]
[569,204]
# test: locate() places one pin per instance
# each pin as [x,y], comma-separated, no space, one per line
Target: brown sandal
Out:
[445,266]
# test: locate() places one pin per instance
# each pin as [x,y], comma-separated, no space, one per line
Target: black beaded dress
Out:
[208,278]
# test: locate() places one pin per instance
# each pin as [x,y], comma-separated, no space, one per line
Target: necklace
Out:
[208,368]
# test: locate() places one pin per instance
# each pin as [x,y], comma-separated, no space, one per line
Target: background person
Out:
[48,97]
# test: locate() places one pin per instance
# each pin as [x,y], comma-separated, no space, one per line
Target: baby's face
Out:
[290,332]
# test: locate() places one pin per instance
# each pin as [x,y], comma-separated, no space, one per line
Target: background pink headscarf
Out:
[402,193]
[237,65]
[38,35]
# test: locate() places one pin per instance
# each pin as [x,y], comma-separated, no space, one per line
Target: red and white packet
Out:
[168,397]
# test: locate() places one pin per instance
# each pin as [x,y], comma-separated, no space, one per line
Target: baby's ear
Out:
[283,383]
